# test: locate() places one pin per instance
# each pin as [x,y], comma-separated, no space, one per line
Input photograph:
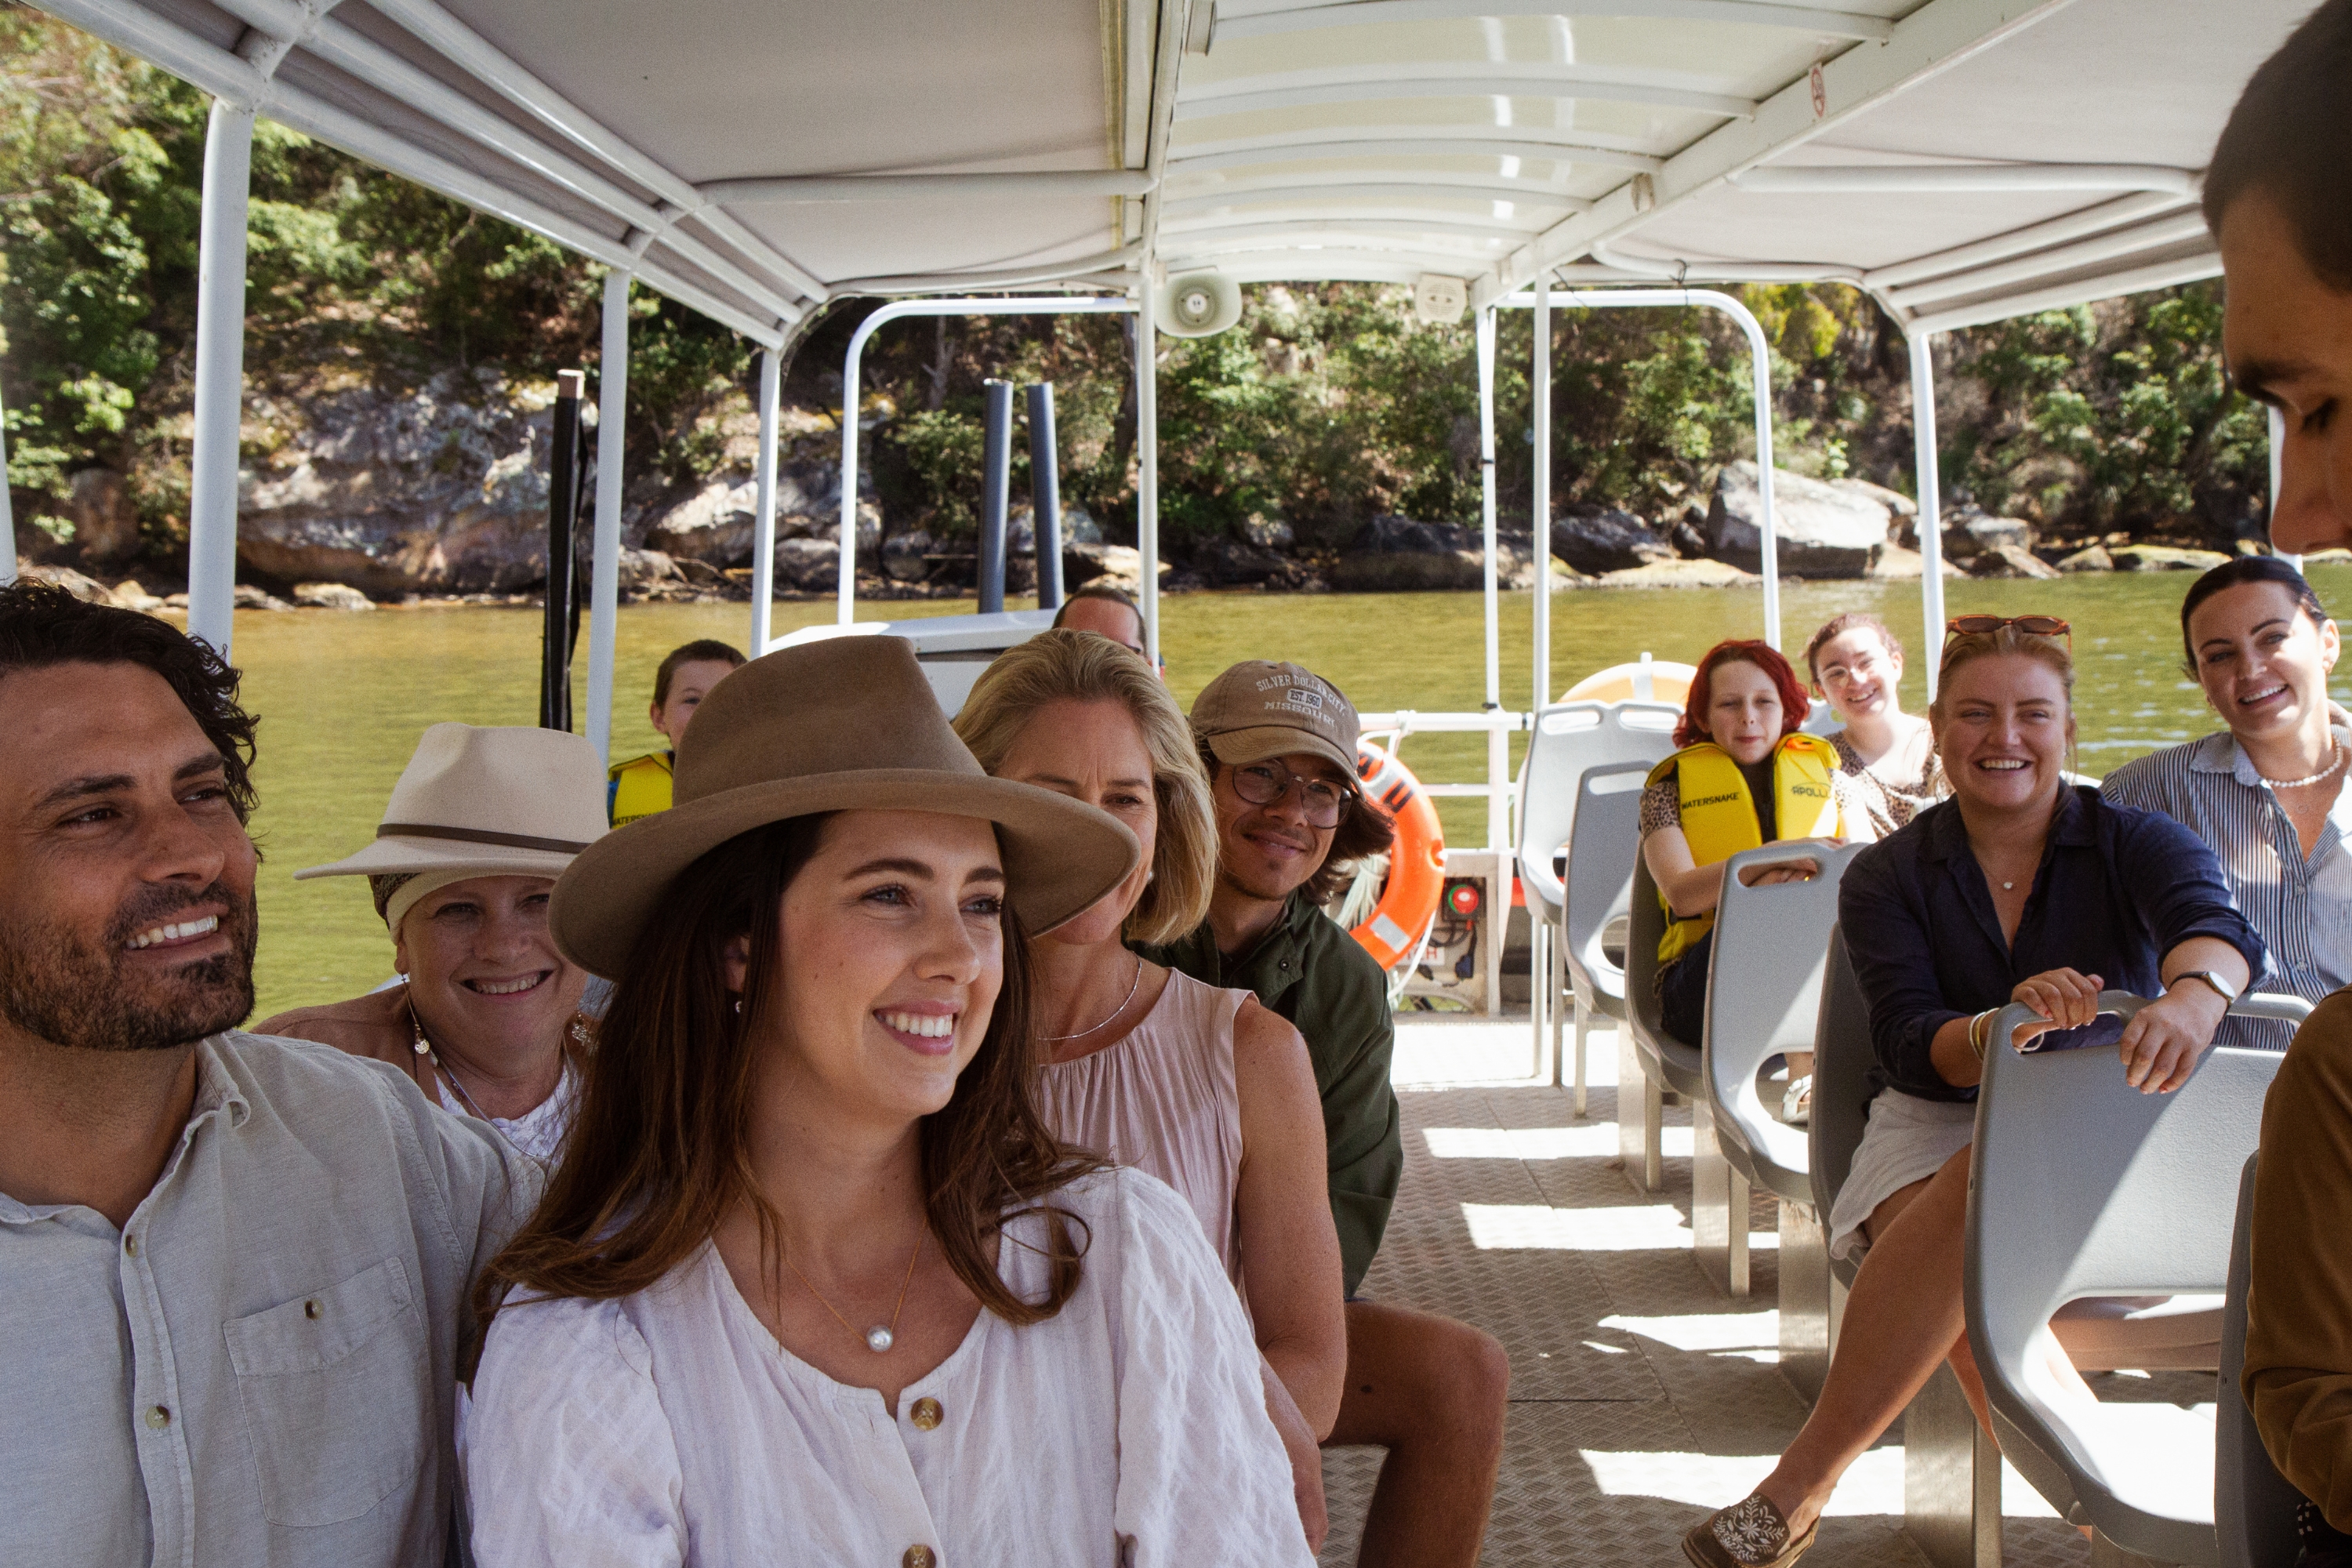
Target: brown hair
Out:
[659,1151]
[1078,667]
[2290,138]
[1365,829]
[1110,594]
[702,650]
[1837,627]
[2007,640]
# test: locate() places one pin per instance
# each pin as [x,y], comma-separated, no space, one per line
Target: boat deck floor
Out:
[1640,1397]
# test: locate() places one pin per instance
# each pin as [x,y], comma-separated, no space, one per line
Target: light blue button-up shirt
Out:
[261,1367]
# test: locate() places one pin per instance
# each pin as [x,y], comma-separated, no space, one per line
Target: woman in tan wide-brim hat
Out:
[462,867]
[814,1281]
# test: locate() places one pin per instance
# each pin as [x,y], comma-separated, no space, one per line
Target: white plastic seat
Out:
[1603,846]
[1646,1054]
[1763,999]
[2253,1505]
[1568,739]
[2084,1186]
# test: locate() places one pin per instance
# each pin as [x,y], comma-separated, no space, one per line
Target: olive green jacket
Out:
[1311,972]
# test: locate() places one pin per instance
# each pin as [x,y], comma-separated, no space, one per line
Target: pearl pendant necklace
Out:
[2008,886]
[881,1336]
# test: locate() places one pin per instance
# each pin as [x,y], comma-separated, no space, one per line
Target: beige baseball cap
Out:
[1258,710]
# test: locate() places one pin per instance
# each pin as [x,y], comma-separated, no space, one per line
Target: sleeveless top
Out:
[1164,1100]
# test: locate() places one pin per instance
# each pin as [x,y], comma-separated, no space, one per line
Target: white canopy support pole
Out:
[604,574]
[8,515]
[763,526]
[1540,415]
[220,376]
[1147,463]
[1498,746]
[2277,423]
[1040,305]
[1760,364]
[1931,506]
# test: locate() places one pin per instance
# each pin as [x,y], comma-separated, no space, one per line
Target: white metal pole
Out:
[1541,416]
[8,515]
[220,376]
[1760,363]
[763,526]
[605,574]
[2277,423]
[1931,506]
[1147,459]
[1498,753]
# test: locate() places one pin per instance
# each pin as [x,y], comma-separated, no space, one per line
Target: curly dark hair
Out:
[41,626]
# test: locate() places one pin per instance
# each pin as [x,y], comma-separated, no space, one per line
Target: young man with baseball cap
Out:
[2275,199]
[1279,743]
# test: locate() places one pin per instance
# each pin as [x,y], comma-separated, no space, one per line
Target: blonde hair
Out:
[2007,640]
[1064,666]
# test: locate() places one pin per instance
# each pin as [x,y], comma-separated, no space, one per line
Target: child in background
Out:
[640,787]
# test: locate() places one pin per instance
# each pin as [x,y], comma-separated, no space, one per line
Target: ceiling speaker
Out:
[1437,300]
[1198,305]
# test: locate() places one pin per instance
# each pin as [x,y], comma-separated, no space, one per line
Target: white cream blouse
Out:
[670,1428]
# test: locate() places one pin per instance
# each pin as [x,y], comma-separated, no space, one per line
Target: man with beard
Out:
[1280,744]
[232,1267]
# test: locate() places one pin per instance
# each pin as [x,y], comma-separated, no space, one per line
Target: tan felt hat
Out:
[845,724]
[503,802]
[1258,710]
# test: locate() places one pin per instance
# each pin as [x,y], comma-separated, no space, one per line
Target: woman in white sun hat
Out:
[478,828]
[814,1281]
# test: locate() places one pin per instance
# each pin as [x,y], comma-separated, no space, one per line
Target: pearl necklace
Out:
[880,1337]
[2320,777]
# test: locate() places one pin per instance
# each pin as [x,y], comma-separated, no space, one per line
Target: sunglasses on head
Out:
[2032,625]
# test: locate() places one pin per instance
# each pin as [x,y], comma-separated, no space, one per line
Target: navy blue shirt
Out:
[2116,890]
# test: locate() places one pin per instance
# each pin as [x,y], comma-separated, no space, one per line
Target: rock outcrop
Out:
[1822,529]
[1398,554]
[1595,540]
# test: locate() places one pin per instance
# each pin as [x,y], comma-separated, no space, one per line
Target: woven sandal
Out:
[1750,1534]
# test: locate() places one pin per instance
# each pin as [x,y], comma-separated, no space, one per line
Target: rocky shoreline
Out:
[359,496]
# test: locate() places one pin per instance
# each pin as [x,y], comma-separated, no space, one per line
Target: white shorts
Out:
[1908,1140]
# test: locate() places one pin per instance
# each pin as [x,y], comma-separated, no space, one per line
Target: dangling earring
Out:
[579,1032]
[739,1006]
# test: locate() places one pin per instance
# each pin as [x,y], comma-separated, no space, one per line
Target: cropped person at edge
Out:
[812,1281]
[2275,199]
[1144,1066]
[1280,744]
[2017,888]
[232,1269]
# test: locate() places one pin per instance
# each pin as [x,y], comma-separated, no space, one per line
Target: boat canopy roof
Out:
[1961,160]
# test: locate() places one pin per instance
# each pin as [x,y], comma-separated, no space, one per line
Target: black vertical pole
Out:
[1045,495]
[996,487]
[560,629]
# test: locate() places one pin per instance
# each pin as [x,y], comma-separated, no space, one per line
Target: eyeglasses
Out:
[1263,783]
[2032,625]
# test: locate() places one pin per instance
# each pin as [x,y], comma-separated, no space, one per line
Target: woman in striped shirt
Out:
[2268,792]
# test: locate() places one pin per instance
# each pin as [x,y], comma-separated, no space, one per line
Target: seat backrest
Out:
[2082,1185]
[1566,739]
[1602,845]
[1764,989]
[2253,1505]
[1842,1057]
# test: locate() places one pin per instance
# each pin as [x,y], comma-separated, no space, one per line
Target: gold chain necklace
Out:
[881,1336]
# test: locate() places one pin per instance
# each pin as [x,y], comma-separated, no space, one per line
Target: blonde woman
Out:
[1201,1087]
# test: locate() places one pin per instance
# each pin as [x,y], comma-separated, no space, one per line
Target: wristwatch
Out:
[2228,992]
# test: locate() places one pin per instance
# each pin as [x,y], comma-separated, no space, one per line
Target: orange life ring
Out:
[1416,860]
[1668,682]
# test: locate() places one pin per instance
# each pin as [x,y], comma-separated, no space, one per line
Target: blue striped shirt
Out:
[2303,908]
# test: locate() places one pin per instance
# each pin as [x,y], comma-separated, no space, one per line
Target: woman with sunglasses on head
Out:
[2266,792]
[1856,665]
[2020,888]
[814,1282]
[1199,1085]
[1745,776]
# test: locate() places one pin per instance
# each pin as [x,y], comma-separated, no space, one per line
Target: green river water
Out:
[342,697]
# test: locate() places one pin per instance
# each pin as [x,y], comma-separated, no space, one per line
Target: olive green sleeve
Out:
[1352,1036]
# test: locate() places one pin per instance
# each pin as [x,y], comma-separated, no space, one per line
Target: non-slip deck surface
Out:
[1641,1399]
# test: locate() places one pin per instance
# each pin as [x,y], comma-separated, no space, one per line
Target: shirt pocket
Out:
[337,1393]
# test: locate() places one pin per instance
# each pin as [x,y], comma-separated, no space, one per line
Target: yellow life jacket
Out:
[638,787]
[1719,819]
